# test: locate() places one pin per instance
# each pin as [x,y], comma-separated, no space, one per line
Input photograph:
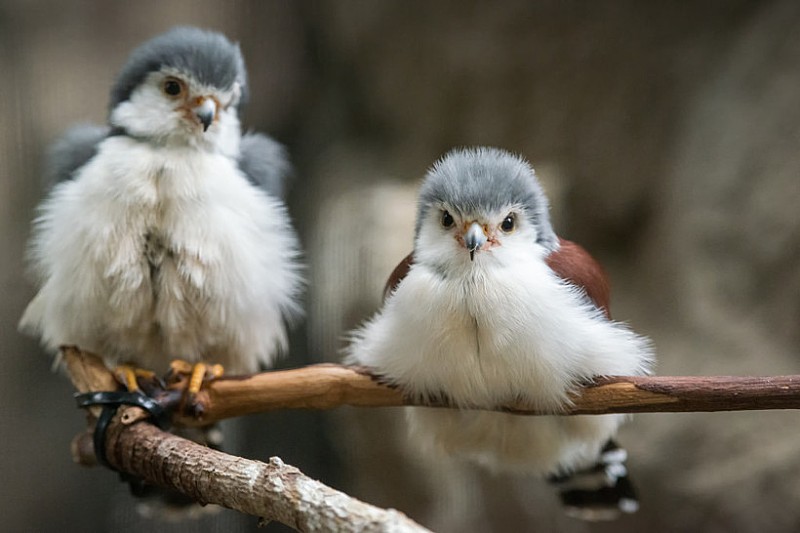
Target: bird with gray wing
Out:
[493,307]
[165,235]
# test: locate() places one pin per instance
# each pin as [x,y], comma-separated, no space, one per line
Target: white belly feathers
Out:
[505,333]
[151,253]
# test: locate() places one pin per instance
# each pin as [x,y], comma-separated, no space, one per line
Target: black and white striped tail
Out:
[600,492]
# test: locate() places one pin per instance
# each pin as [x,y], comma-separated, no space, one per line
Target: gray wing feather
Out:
[73,150]
[264,162]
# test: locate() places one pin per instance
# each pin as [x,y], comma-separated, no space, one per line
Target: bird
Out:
[492,307]
[165,234]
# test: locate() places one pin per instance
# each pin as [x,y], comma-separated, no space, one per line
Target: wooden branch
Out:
[270,491]
[279,492]
[327,386]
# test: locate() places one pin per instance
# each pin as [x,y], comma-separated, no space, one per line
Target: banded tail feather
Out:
[602,491]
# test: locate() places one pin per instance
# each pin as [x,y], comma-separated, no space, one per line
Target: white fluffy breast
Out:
[495,332]
[150,254]
[496,335]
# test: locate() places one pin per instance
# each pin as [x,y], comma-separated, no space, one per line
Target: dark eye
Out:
[172,87]
[447,219]
[507,224]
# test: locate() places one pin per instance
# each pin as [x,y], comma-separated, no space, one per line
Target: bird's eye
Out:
[507,225]
[172,87]
[447,219]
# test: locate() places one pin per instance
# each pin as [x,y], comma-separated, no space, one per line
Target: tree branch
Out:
[271,491]
[326,386]
[279,492]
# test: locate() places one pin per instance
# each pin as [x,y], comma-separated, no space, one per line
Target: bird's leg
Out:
[128,375]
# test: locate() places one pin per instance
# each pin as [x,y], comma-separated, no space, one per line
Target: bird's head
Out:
[183,87]
[481,206]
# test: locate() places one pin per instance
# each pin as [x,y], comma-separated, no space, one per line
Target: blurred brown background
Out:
[667,136]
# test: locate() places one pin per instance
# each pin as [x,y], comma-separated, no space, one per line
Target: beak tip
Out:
[205,120]
[205,113]
[474,239]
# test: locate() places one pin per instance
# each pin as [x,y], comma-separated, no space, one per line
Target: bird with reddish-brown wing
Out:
[492,307]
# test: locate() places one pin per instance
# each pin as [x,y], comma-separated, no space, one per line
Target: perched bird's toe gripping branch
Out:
[129,375]
[191,377]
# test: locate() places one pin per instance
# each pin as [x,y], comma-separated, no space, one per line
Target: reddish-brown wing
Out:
[570,262]
[397,275]
[574,264]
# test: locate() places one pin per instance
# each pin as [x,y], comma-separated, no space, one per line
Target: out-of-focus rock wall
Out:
[667,137]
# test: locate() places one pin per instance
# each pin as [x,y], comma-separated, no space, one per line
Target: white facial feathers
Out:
[441,235]
[166,109]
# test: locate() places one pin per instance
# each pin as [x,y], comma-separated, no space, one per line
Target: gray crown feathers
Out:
[487,179]
[209,57]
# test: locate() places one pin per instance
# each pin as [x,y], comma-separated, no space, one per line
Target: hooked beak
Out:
[474,238]
[205,112]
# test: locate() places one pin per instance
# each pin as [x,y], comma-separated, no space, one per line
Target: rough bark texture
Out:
[272,491]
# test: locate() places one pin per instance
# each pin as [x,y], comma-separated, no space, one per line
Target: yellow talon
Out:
[126,374]
[179,366]
[198,373]
[216,371]
[196,380]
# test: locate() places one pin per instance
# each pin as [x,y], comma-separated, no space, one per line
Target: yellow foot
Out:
[128,375]
[197,374]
